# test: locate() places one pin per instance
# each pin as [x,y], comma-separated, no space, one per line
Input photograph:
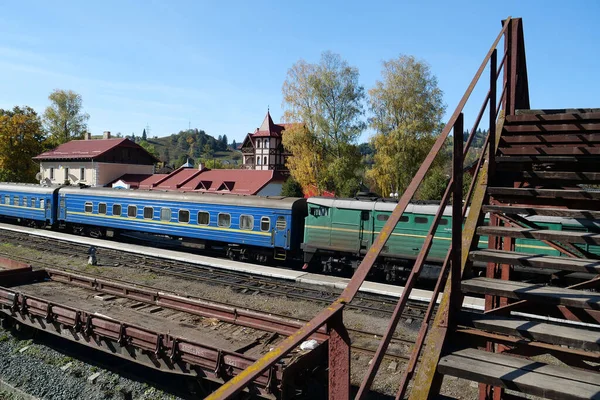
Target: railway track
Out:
[240,282]
[244,283]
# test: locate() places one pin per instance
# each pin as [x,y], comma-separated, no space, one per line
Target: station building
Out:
[94,162]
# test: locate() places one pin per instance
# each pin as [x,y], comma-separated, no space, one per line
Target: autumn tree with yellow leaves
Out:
[407,107]
[21,138]
[326,100]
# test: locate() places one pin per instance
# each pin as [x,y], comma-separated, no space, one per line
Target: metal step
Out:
[577,338]
[540,234]
[554,194]
[545,211]
[537,293]
[525,376]
[537,260]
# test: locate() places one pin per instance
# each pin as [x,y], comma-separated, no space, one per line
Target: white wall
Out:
[96,174]
[60,169]
[108,172]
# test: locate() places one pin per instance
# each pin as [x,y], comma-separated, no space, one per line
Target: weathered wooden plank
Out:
[568,116]
[540,234]
[546,211]
[537,260]
[532,292]
[579,177]
[551,133]
[578,338]
[549,159]
[557,111]
[536,150]
[567,194]
[526,376]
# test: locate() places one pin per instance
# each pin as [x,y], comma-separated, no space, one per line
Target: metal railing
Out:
[332,316]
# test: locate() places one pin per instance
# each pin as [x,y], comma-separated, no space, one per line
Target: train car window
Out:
[148,212]
[117,210]
[421,220]
[364,215]
[280,224]
[246,222]
[203,218]
[132,211]
[443,221]
[6,199]
[16,200]
[32,202]
[42,201]
[224,220]
[265,224]
[89,207]
[382,217]
[101,208]
[25,203]
[82,174]
[184,216]
[319,211]
[165,214]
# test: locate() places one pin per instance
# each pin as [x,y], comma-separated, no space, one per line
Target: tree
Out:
[149,148]
[64,118]
[208,151]
[21,138]
[407,108]
[144,136]
[291,188]
[326,99]
[234,145]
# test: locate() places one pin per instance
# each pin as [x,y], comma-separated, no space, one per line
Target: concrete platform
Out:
[222,263]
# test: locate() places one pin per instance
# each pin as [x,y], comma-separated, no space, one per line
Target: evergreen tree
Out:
[291,188]
[144,137]
[224,141]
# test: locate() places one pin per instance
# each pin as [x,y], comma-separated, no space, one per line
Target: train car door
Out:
[62,208]
[364,229]
[281,231]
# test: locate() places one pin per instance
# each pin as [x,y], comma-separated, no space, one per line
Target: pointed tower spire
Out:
[267,125]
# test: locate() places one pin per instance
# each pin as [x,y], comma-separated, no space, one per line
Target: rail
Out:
[514,95]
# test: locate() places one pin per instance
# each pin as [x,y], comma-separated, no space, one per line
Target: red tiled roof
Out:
[176,178]
[85,149]
[133,180]
[151,180]
[235,181]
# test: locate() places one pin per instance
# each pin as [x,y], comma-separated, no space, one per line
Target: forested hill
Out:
[193,143]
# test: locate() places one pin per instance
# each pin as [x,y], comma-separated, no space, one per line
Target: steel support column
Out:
[339,359]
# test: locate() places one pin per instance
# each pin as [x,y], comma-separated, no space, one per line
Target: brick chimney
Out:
[106,135]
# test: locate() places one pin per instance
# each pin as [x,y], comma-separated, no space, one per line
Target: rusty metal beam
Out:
[187,304]
[243,379]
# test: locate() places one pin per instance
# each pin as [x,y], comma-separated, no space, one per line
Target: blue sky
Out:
[218,65]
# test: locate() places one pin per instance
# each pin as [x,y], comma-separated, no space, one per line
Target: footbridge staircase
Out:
[539,333]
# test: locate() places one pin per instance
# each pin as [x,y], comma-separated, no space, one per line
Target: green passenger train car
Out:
[338,233]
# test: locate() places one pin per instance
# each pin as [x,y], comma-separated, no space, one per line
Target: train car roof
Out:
[27,187]
[428,209]
[278,202]
[377,205]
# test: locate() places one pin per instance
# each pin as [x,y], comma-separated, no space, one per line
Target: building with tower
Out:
[263,149]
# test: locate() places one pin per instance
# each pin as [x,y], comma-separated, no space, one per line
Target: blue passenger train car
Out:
[248,227]
[27,202]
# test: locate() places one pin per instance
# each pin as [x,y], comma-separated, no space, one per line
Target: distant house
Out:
[224,181]
[94,162]
[263,149]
